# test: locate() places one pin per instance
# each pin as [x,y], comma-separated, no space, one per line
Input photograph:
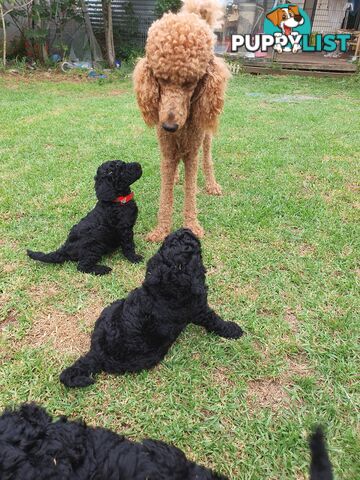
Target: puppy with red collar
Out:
[286,18]
[108,226]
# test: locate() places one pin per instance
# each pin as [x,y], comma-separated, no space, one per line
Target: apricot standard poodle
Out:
[180,87]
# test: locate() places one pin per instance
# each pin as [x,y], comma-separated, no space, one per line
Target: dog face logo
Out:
[285,20]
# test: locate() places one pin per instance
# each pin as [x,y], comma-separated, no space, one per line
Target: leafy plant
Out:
[35,30]
[8,7]
[163,6]
[126,37]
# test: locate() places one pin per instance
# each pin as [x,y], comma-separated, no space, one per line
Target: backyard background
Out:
[281,251]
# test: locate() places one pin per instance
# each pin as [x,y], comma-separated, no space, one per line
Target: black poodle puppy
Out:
[33,447]
[135,333]
[108,226]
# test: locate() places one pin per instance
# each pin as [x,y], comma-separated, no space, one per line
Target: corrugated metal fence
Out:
[143,13]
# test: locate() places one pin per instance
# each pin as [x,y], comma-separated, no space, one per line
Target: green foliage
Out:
[35,30]
[126,37]
[163,6]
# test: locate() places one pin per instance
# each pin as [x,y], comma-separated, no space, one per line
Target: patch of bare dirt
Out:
[117,92]
[43,291]
[40,75]
[248,291]
[66,333]
[298,366]
[291,319]
[273,393]
[9,268]
[10,318]
[353,187]
[306,250]
[220,376]
[267,393]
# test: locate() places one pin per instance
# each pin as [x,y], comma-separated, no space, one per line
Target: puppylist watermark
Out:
[287,28]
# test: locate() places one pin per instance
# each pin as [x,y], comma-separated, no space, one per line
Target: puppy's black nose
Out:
[298,18]
[170,127]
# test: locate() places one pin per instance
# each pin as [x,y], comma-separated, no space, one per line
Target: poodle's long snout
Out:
[170,127]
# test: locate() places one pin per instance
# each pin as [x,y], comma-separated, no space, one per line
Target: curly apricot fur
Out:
[180,83]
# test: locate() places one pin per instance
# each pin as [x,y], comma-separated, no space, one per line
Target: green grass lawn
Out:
[280,249]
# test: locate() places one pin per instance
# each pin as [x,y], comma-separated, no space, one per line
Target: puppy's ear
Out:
[294,9]
[196,272]
[147,92]
[104,189]
[155,270]
[275,17]
[210,94]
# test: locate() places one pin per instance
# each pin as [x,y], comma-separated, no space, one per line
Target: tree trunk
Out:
[2,13]
[41,47]
[109,34]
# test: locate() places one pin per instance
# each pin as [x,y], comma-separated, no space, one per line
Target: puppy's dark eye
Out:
[110,172]
[179,266]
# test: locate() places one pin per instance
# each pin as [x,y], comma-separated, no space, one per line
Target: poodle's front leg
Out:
[212,187]
[80,374]
[128,246]
[190,212]
[213,323]
[168,170]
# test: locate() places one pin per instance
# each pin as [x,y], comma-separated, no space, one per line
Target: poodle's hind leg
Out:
[80,374]
[88,262]
[168,169]
[86,266]
[211,185]
[190,212]
[213,323]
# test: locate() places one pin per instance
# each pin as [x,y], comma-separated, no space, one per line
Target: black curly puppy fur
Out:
[135,333]
[320,467]
[33,447]
[107,227]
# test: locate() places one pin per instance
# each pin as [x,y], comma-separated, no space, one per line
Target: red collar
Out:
[125,199]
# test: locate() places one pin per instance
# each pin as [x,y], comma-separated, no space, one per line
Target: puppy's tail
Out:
[210,10]
[320,467]
[80,374]
[54,257]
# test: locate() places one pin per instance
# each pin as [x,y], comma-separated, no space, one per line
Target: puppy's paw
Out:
[231,330]
[101,270]
[196,228]
[158,234]
[135,258]
[72,378]
[213,189]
